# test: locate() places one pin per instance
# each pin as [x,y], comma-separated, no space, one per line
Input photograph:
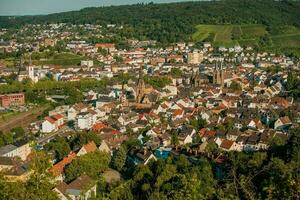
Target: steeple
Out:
[30,61]
[218,74]
[140,90]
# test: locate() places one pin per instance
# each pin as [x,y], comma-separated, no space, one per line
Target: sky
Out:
[36,7]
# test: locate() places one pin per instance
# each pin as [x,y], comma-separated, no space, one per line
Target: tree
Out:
[235,86]
[40,183]
[83,138]
[60,146]
[182,164]
[18,133]
[121,192]
[119,158]
[174,137]
[102,51]
[91,164]
[198,123]
[176,72]
[5,138]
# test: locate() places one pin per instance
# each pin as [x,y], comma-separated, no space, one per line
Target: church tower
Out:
[123,97]
[222,75]
[218,74]
[140,89]
[195,79]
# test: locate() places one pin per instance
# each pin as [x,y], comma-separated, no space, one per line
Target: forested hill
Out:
[175,21]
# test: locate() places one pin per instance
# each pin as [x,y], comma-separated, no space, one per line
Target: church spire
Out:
[140,90]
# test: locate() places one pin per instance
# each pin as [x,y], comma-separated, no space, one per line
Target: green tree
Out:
[60,146]
[119,158]
[176,72]
[235,86]
[40,183]
[83,138]
[122,192]
[198,123]
[18,133]
[91,164]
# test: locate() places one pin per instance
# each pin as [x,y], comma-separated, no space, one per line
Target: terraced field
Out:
[253,31]
[245,35]
[287,40]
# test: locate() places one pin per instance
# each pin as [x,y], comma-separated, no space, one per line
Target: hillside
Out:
[250,34]
[175,21]
[229,35]
[267,25]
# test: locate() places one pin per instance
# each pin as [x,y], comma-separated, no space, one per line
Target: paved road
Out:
[45,139]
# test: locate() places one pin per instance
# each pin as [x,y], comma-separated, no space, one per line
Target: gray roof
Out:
[6,149]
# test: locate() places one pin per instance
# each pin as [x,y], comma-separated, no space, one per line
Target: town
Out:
[80,101]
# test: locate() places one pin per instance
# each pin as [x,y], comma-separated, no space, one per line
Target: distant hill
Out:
[178,21]
[247,35]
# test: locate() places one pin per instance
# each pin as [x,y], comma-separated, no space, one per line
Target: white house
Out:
[52,123]
[86,120]
[20,149]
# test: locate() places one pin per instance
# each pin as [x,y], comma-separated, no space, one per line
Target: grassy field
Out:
[7,115]
[245,35]
[216,33]
[288,40]
[64,59]
[253,31]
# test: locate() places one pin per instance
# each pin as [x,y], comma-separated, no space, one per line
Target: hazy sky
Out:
[34,7]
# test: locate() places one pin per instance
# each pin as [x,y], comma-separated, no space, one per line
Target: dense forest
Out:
[175,21]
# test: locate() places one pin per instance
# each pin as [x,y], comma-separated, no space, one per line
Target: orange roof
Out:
[90,147]
[58,168]
[105,45]
[98,126]
[177,112]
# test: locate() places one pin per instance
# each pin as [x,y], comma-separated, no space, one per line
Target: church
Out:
[144,95]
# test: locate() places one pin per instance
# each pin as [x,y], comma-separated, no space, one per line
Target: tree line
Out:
[174,21]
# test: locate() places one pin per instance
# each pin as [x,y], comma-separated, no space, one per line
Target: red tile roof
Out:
[50,119]
[57,117]
[58,168]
